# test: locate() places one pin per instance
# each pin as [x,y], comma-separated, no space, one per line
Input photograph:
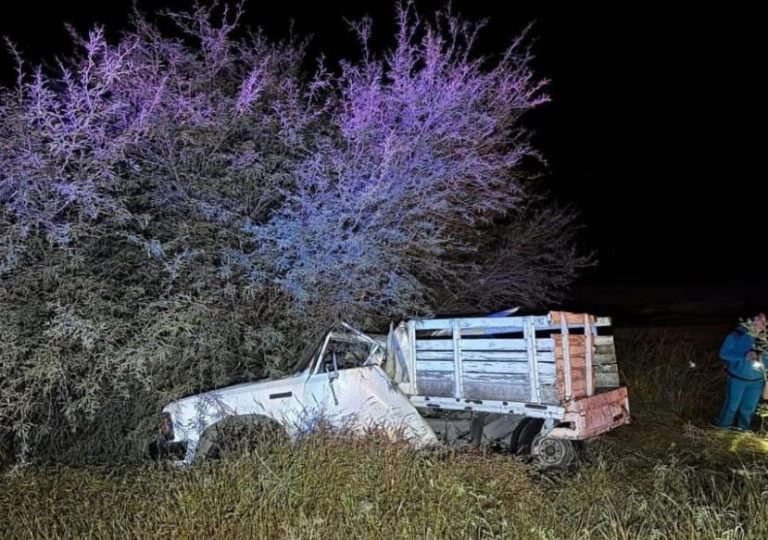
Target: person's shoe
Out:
[725,428]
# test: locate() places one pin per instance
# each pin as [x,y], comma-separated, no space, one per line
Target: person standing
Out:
[746,362]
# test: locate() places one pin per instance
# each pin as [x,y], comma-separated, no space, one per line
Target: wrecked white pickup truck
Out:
[528,383]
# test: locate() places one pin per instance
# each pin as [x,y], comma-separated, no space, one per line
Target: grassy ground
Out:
[668,475]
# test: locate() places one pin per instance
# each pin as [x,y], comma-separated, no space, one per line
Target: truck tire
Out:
[524,434]
[552,453]
[241,436]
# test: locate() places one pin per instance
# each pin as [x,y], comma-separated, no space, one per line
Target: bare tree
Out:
[177,214]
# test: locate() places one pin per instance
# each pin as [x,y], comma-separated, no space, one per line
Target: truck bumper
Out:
[590,416]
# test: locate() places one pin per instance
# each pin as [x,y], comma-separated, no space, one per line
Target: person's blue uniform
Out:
[745,379]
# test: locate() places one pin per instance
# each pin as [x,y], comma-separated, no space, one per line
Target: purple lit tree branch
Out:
[391,211]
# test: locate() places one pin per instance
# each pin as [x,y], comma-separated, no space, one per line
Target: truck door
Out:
[350,392]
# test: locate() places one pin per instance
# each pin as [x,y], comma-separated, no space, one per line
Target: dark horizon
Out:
[657,130]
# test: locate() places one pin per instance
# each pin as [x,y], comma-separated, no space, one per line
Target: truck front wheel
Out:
[238,436]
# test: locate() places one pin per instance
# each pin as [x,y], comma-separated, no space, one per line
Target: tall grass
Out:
[665,476]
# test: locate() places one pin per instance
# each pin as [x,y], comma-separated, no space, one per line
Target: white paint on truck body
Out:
[508,366]
[355,398]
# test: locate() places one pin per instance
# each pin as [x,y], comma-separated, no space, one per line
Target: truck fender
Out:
[235,429]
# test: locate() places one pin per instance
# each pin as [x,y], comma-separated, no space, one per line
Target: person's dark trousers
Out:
[741,398]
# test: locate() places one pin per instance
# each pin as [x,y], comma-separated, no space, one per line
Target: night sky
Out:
[657,132]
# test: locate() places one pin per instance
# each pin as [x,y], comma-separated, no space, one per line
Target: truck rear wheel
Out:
[551,453]
[524,434]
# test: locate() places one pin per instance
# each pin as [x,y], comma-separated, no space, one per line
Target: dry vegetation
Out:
[668,475]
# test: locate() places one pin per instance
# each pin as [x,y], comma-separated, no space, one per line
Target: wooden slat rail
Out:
[490,344]
[588,355]
[457,361]
[412,356]
[481,356]
[468,366]
[566,359]
[605,366]
[513,324]
[533,365]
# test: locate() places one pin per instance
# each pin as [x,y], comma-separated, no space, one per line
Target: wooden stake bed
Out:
[560,366]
